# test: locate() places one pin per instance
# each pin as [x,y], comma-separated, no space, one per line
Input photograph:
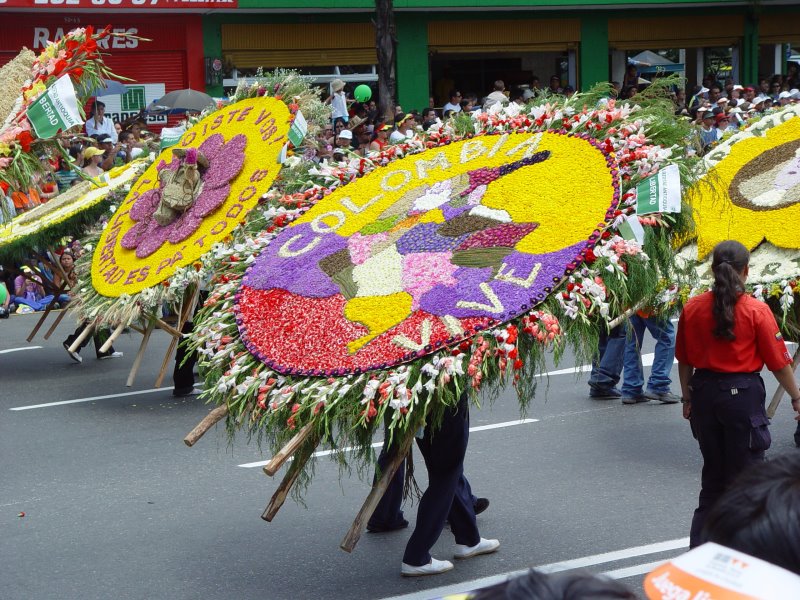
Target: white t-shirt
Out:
[106,126]
[453,107]
[339,107]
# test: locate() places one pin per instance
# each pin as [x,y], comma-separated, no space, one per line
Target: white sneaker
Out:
[483,547]
[112,355]
[432,568]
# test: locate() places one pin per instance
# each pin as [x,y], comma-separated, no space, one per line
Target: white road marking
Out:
[567,565]
[19,349]
[647,361]
[261,463]
[91,399]
[633,571]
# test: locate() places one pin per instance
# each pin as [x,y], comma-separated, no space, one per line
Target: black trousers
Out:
[183,373]
[445,498]
[389,514]
[731,426]
[99,337]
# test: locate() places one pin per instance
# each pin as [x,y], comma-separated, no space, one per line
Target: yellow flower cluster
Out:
[562,197]
[752,193]
[265,123]
[566,194]
[64,206]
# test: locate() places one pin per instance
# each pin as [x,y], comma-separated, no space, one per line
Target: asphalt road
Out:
[115,506]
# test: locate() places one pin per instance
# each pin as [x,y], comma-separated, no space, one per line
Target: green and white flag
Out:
[171,135]
[56,109]
[660,193]
[298,130]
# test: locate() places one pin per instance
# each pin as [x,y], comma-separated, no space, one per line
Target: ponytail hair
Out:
[730,260]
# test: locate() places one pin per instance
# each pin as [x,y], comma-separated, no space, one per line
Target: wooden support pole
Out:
[40,322]
[56,323]
[279,497]
[114,335]
[87,331]
[168,328]
[207,423]
[778,395]
[62,288]
[137,362]
[276,462]
[186,311]
[378,489]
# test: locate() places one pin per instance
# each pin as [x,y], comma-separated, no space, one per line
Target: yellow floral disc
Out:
[68,204]
[193,196]
[421,253]
[753,193]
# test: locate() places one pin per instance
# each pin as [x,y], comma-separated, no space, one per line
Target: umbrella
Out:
[181,101]
[109,87]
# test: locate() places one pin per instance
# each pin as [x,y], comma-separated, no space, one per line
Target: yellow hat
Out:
[92,151]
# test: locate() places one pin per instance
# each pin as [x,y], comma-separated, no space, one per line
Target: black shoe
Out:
[604,393]
[376,528]
[481,504]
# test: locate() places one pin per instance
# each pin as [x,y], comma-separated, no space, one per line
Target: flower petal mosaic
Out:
[752,190]
[425,252]
[193,196]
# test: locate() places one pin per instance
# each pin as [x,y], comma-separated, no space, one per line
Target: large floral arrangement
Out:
[70,213]
[423,253]
[450,262]
[751,193]
[78,55]
[234,149]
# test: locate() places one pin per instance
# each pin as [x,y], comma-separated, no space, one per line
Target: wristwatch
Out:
[687,400]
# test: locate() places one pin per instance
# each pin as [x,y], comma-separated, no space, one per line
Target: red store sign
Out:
[164,33]
[95,4]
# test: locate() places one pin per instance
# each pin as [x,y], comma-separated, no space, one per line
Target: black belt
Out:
[703,373]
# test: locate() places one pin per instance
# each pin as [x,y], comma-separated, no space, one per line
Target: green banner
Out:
[660,193]
[298,130]
[171,136]
[55,110]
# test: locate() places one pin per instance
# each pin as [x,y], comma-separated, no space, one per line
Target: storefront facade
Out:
[581,41]
[172,58]
[210,43]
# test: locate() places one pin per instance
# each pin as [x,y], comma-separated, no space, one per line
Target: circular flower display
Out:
[753,191]
[67,205]
[193,197]
[426,251]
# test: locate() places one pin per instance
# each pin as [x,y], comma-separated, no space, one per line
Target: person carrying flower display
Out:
[725,337]
[444,449]
[658,384]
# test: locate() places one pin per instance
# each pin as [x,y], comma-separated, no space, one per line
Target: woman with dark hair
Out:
[760,514]
[725,337]
[535,585]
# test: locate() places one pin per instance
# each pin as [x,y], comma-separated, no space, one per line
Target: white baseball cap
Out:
[346,134]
